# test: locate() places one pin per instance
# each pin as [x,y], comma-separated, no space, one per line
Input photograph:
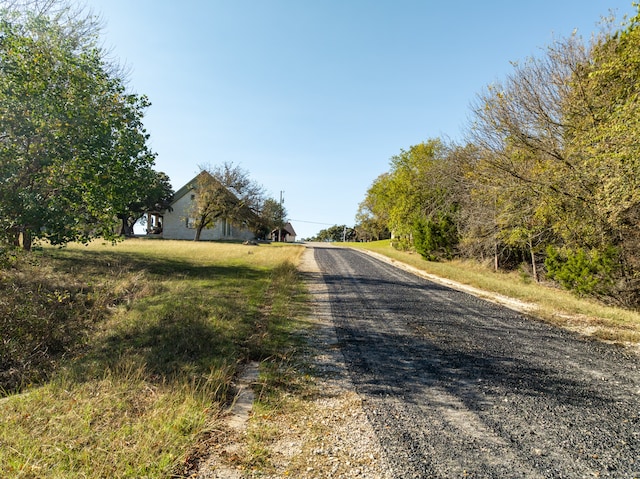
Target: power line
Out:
[314,222]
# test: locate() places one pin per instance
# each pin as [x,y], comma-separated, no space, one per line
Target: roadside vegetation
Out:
[553,304]
[546,180]
[118,360]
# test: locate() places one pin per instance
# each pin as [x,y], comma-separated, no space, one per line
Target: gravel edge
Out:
[326,434]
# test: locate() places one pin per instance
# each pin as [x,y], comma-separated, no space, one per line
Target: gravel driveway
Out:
[454,386]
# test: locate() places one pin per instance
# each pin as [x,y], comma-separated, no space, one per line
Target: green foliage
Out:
[372,222]
[435,238]
[336,233]
[271,215]
[73,153]
[157,195]
[558,162]
[225,192]
[553,159]
[584,272]
[415,200]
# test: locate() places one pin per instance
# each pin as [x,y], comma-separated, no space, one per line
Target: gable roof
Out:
[193,186]
[189,186]
[289,229]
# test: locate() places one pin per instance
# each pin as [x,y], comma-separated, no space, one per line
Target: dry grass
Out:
[554,305]
[161,328]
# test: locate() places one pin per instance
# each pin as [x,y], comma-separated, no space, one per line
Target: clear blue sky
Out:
[313,97]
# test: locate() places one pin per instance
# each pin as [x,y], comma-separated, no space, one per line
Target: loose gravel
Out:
[456,386]
[416,380]
[325,435]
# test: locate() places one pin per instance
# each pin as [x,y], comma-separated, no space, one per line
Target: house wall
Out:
[175,225]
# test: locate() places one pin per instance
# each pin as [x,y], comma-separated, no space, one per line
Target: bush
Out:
[435,238]
[588,273]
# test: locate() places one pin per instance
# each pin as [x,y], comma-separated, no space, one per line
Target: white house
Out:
[176,223]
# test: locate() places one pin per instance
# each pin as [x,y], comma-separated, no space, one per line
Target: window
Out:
[191,222]
[225,227]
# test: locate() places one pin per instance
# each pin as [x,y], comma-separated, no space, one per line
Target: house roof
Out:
[189,186]
[287,228]
[192,185]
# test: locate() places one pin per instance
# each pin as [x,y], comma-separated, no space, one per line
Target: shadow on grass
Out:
[117,260]
[198,320]
[172,320]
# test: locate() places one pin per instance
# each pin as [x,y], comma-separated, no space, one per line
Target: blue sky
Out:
[314,97]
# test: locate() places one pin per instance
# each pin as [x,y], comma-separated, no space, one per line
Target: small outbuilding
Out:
[286,234]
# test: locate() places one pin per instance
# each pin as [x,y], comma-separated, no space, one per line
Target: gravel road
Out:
[455,386]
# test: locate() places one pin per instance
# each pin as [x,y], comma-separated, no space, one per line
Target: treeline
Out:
[337,233]
[549,174]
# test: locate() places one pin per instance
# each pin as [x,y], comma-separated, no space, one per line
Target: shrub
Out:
[588,273]
[435,238]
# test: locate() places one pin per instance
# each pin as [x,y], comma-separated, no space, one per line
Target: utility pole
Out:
[281,225]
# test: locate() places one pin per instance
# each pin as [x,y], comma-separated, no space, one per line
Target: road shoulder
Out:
[329,434]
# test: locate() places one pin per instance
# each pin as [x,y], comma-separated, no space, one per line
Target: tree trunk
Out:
[26,239]
[534,269]
[198,231]
[15,237]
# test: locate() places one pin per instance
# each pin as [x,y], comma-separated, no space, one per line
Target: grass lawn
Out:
[117,361]
[118,358]
[552,304]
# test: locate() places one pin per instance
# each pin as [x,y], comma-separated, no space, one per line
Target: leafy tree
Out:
[225,192]
[602,112]
[371,218]
[336,233]
[513,219]
[158,195]
[419,188]
[519,127]
[560,136]
[416,188]
[73,146]
[272,214]
[375,208]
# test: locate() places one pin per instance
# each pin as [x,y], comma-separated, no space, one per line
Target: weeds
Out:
[149,335]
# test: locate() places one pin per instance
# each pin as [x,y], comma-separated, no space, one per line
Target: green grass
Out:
[118,360]
[159,330]
[554,305]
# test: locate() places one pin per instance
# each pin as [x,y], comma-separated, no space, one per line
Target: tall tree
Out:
[604,126]
[369,224]
[271,215]
[418,196]
[72,142]
[157,196]
[560,136]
